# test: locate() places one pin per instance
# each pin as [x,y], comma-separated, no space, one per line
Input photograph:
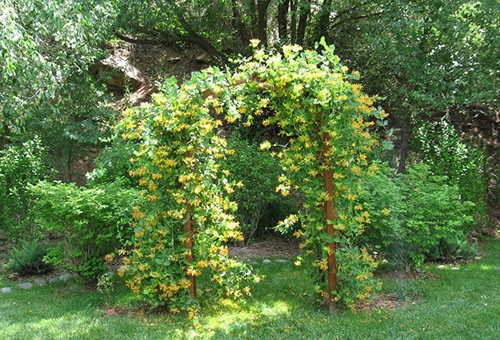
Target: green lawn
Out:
[460,304]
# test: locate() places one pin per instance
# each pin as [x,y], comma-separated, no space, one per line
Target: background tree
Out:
[46,48]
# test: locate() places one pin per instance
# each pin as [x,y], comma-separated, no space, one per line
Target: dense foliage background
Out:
[434,65]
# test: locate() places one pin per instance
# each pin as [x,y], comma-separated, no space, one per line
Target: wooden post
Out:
[330,216]
[188,228]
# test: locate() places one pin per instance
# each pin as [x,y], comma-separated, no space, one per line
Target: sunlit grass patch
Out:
[457,304]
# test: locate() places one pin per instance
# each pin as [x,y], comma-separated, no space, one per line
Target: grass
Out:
[460,304]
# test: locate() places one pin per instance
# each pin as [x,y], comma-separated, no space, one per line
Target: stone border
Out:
[43,282]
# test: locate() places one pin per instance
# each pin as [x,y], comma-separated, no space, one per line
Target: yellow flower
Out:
[108,258]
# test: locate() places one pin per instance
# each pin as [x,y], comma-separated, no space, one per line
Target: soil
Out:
[271,248]
[386,301]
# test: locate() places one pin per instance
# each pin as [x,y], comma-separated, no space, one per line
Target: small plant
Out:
[28,259]
[455,248]
[106,287]
[410,289]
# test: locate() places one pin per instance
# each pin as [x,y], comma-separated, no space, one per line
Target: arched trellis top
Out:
[310,96]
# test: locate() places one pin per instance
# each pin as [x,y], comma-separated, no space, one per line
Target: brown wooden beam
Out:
[330,216]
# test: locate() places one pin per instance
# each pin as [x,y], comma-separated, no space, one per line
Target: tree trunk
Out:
[282,20]
[324,20]
[304,9]
[240,26]
[262,20]
[403,148]
[293,21]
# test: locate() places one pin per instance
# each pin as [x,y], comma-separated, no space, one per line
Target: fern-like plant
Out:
[27,259]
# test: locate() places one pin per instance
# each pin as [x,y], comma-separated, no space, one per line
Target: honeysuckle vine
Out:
[326,120]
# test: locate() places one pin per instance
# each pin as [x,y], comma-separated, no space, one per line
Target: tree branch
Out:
[360,17]
[139,41]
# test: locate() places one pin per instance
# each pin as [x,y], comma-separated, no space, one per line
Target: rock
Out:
[76,275]
[118,73]
[2,236]
[111,312]
[25,285]
[110,273]
[6,290]
[141,95]
[441,266]
[491,232]
[173,59]
[40,282]
[266,261]
[52,279]
[65,277]
[281,261]
[202,59]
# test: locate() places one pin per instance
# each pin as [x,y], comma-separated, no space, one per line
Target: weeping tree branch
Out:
[139,41]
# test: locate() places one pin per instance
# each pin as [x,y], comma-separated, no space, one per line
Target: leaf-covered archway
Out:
[326,120]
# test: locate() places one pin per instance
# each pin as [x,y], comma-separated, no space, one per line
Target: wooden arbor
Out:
[325,117]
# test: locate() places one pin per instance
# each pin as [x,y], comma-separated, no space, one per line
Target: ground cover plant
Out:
[461,302]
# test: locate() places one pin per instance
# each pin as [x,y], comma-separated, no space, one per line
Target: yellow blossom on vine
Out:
[386,211]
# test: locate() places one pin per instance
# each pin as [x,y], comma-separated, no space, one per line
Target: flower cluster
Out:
[326,119]
[177,163]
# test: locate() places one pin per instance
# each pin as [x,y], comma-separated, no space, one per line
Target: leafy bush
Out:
[423,217]
[91,222]
[464,165]
[254,175]
[20,166]
[27,259]
[113,163]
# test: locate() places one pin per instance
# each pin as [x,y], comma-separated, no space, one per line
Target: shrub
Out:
[424,218]
[464,165]
[254,175]
[91,222]
[113,163]
[27,259]
[20,166]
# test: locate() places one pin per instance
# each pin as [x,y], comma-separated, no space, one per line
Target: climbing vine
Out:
[325,119]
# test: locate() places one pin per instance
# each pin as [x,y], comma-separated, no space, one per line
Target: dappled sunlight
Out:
[234,318]
[64,327]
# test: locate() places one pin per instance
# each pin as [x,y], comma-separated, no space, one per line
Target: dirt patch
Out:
[401,275]
[272,248]
[386,301]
